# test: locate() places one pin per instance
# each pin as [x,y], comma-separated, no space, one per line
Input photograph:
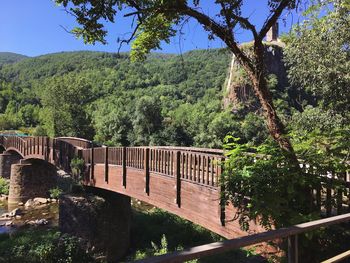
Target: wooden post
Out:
[38,146]
[43,147]
[178,178]
[222,190]
[92,163]
[124,166]
[47,155]
[53,151]
[146,166]
[293,249]
[106,164]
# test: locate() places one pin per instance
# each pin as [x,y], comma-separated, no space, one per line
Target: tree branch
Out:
[273,19]
[221,32]
[127,41]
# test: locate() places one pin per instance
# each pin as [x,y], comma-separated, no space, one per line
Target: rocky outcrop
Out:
[102,221]
[239,92]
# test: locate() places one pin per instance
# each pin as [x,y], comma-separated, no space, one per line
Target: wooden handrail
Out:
[224,246]
[338,258]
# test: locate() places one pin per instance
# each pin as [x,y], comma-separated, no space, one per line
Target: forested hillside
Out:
[8,57]
[167,99]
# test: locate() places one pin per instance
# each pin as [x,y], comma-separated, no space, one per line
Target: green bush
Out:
[4,186]
[77,165]
[55,192]
[48,246]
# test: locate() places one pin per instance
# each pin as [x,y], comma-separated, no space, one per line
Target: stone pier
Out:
[6,160]
[101,219]
[30,179]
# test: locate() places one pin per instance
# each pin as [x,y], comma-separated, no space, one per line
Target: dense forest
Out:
[166,100]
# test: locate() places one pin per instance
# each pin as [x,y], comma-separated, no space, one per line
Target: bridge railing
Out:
[193,166]
[162,161]
[201,168]
[220,247]
[78,142]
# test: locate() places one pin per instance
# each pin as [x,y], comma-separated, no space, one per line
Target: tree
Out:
[318,56]
[63,100]
[147,120]
[155,22]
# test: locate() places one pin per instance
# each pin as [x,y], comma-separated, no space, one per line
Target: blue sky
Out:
[34,27]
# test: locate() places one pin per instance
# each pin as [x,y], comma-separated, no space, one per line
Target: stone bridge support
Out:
[31,178]
[101,218]
[6,160]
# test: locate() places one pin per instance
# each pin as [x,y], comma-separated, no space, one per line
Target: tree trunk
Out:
[275,126]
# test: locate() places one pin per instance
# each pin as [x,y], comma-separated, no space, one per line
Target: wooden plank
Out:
[338,258]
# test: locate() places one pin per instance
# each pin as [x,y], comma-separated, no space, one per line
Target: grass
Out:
[158,232]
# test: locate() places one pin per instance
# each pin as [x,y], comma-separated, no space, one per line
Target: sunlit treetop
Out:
[156,21]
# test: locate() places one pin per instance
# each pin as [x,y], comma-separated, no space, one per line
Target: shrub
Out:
[55,192]
[4,186]
[77,165]
[42,246]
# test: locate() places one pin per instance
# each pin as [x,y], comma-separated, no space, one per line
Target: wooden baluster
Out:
[151,159]
[184,163]
[186,173]
[195,162]
[199,168]
[141,160]
[166,162]
[191,167]
[157,161]
[208,164]
[161,161]
[169,163]
[203,169]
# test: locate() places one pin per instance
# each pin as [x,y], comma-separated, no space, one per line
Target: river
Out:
[48,212]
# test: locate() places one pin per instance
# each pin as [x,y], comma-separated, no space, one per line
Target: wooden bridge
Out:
[181,180]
